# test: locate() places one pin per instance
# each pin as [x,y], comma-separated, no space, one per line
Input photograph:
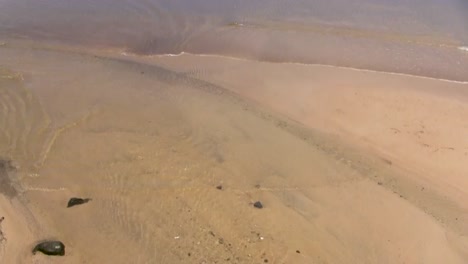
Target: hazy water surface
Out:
[416,37]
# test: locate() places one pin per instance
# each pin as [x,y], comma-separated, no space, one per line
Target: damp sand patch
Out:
[6,186]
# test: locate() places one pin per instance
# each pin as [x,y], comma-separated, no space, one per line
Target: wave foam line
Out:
[300,63]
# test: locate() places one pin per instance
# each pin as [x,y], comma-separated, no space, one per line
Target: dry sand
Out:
[338,158]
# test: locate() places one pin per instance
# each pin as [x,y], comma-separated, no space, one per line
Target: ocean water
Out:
[416,37]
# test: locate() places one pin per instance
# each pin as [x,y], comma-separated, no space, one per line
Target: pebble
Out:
[77,201]
[51,248]
[258,205]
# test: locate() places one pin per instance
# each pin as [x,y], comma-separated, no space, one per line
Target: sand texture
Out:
[350,166]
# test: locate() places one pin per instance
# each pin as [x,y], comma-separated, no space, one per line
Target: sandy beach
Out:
[350,166]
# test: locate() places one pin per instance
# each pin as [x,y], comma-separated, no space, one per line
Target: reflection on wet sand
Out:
[149,140]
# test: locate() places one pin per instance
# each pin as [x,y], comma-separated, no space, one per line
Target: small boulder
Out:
[51,248]
[258,205]
[77,201]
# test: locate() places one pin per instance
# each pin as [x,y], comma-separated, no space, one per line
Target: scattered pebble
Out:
[258,205]
[298,252]
[379,183]
[219,187]
[77,201]
[257,186]
[265,260]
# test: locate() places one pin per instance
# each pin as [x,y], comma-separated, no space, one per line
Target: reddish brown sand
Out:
[351,166]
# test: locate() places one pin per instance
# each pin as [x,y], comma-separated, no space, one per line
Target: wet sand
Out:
[336,156]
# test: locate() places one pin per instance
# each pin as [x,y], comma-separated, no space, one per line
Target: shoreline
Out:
[183,53]
[115,51]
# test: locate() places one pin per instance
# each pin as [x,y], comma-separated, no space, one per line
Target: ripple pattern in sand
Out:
[24,125]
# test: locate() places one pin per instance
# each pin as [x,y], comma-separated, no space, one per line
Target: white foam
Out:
[305,64]
[463,48]
[39,189]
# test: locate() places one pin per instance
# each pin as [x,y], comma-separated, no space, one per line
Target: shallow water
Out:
[415,37]
[150,145]
[149,139]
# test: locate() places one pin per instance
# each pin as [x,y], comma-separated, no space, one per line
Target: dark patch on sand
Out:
[6,187]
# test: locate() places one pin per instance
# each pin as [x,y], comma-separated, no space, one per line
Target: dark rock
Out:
[257,186]
[52,248]
[379,183]
[265,260]
[258,205]
[298,252]
[77,201]
[219,187]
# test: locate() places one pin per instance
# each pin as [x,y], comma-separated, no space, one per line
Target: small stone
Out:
[258,205]
[189,254]
[257,186]
[51,248]
[77,201]
[298,252]
[265,260]
[379,183]
[219,187]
